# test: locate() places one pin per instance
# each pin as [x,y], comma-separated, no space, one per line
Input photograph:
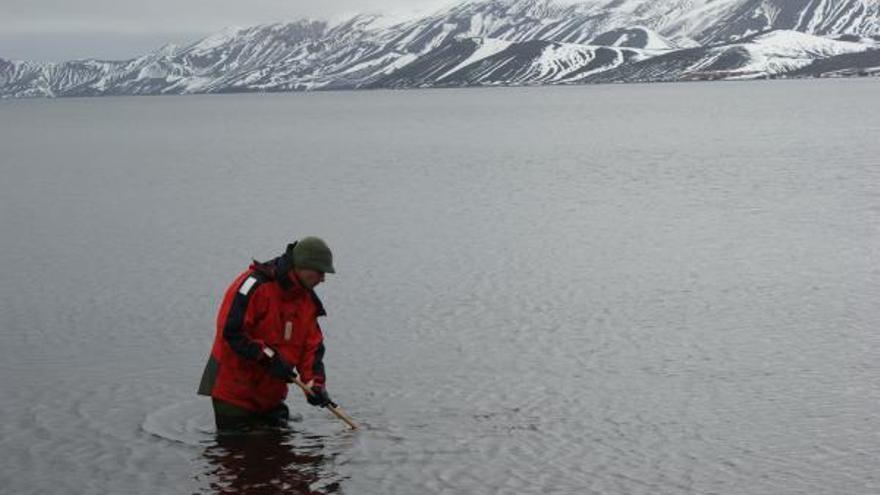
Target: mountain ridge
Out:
[491,42]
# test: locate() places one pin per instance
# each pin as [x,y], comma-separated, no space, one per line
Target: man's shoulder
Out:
[248,281]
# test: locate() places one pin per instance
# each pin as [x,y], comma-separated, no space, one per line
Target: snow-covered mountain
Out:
[770,54]
[493,42]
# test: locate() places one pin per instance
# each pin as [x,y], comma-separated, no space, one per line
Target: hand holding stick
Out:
[332,406]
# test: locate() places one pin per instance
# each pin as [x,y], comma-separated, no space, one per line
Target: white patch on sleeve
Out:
[247,286]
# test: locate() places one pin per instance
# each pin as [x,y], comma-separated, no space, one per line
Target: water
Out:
[641,289]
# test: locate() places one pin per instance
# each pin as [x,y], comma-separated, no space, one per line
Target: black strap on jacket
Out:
[318,367]
[233,328]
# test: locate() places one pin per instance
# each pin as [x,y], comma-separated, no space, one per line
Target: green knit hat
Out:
[313,253]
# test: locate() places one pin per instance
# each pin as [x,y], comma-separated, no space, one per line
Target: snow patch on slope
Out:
[487,48]
[557,60]
[781,51]
[216,40]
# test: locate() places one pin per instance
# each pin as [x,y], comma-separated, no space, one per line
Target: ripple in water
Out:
[188,422]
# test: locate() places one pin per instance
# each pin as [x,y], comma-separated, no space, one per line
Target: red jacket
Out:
[260,310]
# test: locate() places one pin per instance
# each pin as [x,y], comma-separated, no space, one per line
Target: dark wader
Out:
[231,418]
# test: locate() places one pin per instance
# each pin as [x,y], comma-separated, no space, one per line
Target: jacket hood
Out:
[276,270]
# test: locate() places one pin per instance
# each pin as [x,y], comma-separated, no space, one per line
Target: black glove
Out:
[319,397]
[277,366]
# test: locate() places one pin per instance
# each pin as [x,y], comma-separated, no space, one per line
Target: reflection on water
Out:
[269,462]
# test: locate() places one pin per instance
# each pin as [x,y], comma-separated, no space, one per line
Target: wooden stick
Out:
[339,413]
[332,407]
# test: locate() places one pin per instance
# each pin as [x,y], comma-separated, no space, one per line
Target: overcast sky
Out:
[55,30]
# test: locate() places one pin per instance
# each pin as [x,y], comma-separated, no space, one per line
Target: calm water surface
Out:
[662,289]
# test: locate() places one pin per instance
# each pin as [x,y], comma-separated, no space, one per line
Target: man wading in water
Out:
[266,327]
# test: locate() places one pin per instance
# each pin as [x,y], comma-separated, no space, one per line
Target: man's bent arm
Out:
[233,328]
